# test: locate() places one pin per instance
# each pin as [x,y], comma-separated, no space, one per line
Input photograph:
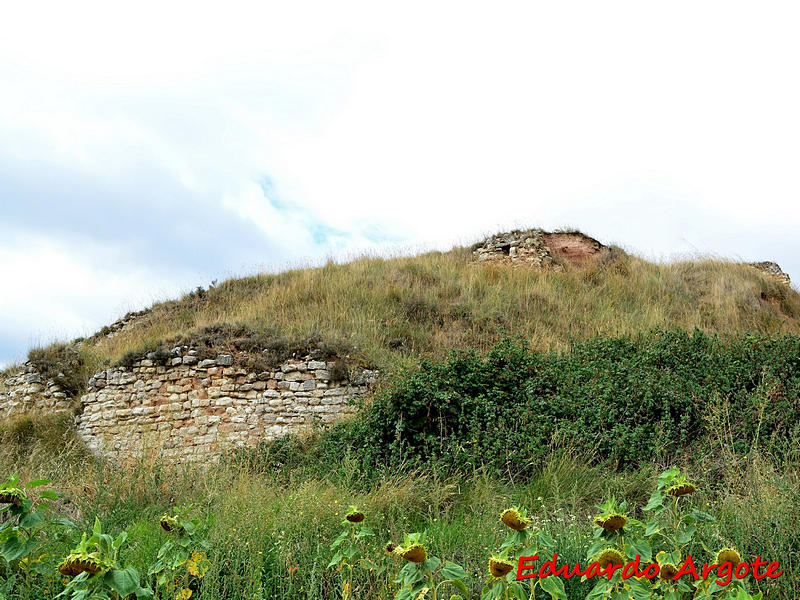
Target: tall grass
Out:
[270,535]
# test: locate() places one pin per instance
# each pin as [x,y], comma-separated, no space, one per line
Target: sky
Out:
[149,149]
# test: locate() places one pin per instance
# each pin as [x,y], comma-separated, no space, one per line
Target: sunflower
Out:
[730,555]
[355,515]
[12,495]
[170,523]
[681,489]
[607,557]
[667,571]
[390,547]
[500,567]
[415,553]
[611,521]
[515,518]
[77,563]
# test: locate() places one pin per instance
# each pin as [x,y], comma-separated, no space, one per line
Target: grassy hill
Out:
[395,310]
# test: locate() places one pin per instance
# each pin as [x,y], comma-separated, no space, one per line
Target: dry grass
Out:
[394,309]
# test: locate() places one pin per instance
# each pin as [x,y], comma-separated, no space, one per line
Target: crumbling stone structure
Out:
[192,409]
[538,248]
[773,270]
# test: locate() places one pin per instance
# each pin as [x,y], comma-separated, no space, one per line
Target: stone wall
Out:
[28,392]
[191,410]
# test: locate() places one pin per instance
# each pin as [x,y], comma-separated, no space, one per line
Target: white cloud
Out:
[664,127]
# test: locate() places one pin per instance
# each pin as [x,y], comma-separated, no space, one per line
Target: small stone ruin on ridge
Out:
[539,248]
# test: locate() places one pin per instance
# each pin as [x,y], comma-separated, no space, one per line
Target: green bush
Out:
[622,400]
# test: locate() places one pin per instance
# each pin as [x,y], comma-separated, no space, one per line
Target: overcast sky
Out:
[144,152]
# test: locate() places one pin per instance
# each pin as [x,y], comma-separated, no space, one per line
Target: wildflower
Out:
[681,489]
[184,594]
[500,567]
[730,555]
[515,518]
[607,557]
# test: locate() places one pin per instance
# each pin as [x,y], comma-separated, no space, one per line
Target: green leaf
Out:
[49,495]
[13,549]
[652,528]
[30,520]
[518,590]
[699,515]
[342,537]
[599,591]
[432,563]
[685,536]
[553,586]
[656,501]
[546,540]
[714,587]
[491,593]
[405,593]
[666,477]
[123,581]
[451,570]
[640,547]
[672,595]
[37,483]
[337,558]
[640,588]
[459,585]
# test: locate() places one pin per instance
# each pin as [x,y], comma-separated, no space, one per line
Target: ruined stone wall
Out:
[773,270]
[28,392]
[538,248]
[192,410]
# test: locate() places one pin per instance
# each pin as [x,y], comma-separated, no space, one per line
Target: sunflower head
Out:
[607,557]
[667,571]
[681,489]
[730,555]
[169,523]
[515,518]
[499,566]
[611,521]
[81,562]
[12,495]
[415,553]
[390,547]
[355,515]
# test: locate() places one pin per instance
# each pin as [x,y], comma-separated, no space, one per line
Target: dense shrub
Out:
[622,400]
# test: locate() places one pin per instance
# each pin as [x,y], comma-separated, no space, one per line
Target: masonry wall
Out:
[193,410]
[28,392]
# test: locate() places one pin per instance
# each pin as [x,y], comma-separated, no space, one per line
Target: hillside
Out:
[584,372]
[389,311]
